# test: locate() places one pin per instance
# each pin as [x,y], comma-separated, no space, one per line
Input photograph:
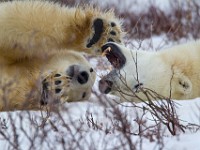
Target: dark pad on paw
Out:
[57,75]
[112,32]
[110,40]
[98,30]
[57,91]
[113,24]
[58,82]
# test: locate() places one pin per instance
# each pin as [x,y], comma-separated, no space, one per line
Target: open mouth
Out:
[117,59]
[114,55]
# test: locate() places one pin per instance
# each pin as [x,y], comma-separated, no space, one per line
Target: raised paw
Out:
[103,31]
[55,87]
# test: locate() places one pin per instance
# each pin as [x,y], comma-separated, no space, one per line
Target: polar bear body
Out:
[173,73]
[37,64]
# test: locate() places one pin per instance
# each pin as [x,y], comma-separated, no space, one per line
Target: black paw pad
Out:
[57,75]
[58,82]
[112,32]
[110,40]
[98,30]
[57,91]
[113,24]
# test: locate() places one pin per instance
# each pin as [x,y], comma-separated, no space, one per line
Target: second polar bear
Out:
[142,75]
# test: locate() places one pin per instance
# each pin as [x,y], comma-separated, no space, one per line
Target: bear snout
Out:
[82,77]
[105,86]
[74,72]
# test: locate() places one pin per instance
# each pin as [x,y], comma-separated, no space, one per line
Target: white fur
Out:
[174,72]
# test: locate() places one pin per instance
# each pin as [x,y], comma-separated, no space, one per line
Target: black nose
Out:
[82,77]
[74,72]
[105,86]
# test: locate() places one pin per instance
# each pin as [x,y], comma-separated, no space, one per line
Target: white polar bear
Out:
[173,73]
[63,76]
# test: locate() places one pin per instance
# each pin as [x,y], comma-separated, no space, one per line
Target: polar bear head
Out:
[123,76]
[69,77]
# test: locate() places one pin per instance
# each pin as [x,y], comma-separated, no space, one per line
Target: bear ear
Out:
[183,84]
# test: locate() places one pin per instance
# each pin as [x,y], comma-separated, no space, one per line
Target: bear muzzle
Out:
[105,86]
[74,72]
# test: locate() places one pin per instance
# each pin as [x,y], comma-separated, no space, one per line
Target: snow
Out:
[76,117]
[133,4]
[95,124]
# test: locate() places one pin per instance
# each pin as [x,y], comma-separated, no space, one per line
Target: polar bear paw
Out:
[55,87]
[103,31]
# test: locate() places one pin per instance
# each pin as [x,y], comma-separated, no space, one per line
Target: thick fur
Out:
[33,83]
[32,28]
[37,65]
[173,73]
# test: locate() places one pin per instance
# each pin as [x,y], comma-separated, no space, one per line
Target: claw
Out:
[106,51]
[63,99]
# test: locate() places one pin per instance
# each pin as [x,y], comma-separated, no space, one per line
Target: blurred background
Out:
[145,18]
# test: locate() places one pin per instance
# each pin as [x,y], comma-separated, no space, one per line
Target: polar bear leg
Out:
[30,35]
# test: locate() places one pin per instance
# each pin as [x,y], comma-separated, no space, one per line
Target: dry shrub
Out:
[182,20]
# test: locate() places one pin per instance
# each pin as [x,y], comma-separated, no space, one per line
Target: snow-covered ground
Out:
[88,125]
[93,125]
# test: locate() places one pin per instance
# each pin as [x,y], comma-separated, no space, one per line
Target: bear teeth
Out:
[106,51]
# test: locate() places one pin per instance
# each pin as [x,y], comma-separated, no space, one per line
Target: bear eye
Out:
[91,70]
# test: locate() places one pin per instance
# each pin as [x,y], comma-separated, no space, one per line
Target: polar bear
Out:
[141,75]
[30,84]
[29,28]
[38,62]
